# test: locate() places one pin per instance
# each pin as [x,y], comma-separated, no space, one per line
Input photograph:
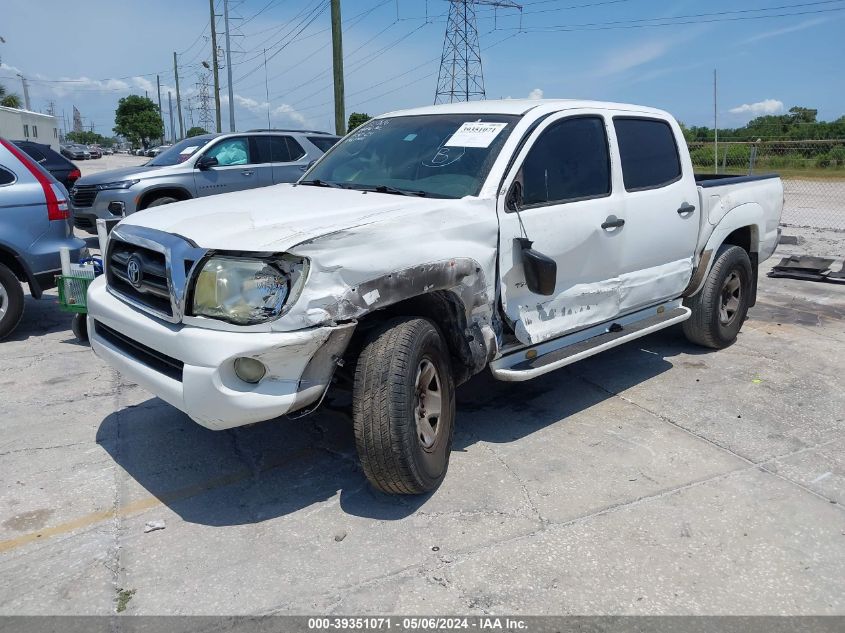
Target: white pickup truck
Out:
[428,245]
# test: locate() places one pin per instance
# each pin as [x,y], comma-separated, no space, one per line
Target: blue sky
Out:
[597,49]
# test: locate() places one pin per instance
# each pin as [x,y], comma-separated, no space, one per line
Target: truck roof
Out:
[522,106]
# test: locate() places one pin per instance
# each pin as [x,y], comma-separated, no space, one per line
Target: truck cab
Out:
[425,247]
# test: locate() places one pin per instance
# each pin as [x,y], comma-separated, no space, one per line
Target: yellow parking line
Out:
[141,505]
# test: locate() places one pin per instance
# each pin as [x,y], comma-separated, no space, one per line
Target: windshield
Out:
[180,152]
[438,155]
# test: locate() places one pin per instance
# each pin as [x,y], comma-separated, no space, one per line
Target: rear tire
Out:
[11,301]
[721,306]
[403,407]
[160,201]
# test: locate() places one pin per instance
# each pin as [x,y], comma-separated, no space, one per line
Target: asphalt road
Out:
[657,478]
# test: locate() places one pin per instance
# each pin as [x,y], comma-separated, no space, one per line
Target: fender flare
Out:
[148,193]
[750,214]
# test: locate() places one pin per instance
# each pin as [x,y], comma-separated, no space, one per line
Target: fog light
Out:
[116,207]
[249,369]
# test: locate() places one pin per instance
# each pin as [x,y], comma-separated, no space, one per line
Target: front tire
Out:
[11,301]
[160,201]
[403,407]
[720,308]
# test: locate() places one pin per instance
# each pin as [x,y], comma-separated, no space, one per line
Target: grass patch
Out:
[123,598]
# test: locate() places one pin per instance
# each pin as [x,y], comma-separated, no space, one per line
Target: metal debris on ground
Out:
[806,267]
[152,526]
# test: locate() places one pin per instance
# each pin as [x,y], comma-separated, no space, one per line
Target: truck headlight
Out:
[241,291]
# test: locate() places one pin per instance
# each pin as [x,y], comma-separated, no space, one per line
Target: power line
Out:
[719,16]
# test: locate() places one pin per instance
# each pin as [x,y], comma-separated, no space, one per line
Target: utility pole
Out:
[229,67]
[178,97]
[337,64]
[214,66]
[160,111]
[172,129]
[715,125]
[25,92]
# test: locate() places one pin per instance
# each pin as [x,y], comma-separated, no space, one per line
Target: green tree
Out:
[9,99]
[85,138]
[195,131]
[356,119]
[137,118]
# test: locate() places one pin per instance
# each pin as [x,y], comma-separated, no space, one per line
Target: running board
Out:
[510,369]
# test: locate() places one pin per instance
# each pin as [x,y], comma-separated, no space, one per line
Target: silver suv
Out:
[199,166]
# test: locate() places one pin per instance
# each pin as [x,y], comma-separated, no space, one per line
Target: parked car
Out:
[195,167]
[59,167]
[74,152]
[423,248]
[33,227]
[155,151]
[95,151]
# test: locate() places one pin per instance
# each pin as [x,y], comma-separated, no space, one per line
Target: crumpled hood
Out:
[278,217]
[114,175]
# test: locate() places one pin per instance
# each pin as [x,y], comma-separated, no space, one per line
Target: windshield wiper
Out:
[321,183]
[394,190]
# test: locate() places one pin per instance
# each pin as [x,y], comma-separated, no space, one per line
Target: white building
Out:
[23,125]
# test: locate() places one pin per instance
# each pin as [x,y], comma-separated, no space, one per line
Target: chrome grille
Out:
[150,269]
[83,195]
[151,287]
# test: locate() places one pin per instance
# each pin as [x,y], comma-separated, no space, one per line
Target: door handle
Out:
[612,222]
[304,167]
[686,208]
[247,172]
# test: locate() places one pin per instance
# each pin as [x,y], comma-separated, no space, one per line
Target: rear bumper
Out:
[43,261]
[197,373]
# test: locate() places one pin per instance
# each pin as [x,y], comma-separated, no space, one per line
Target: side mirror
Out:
[540,270]
[513,201]
[206,162]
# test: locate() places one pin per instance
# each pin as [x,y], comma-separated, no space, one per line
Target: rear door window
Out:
[277,149]
[648,151]
[6,177]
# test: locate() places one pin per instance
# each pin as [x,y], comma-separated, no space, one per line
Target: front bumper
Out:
[299,364]
[125,203]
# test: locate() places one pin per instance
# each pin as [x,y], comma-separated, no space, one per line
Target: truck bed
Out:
[717,180]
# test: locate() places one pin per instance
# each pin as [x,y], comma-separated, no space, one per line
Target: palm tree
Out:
[9,99]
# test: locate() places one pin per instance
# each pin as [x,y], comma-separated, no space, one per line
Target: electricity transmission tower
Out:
[206,119]
[461,77]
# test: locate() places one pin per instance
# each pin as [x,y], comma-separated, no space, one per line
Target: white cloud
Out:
[283,113]
[621,60]
[537,93]
[789,29]
[768,106]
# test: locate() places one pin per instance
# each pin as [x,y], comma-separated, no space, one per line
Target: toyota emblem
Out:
[134,271]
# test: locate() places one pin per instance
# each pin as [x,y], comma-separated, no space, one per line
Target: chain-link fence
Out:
[813,174]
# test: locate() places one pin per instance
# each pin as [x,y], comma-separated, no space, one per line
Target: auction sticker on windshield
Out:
[475,134]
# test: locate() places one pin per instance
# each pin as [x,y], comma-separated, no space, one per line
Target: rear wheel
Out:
[720,308]
[11,301]
[404,407]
